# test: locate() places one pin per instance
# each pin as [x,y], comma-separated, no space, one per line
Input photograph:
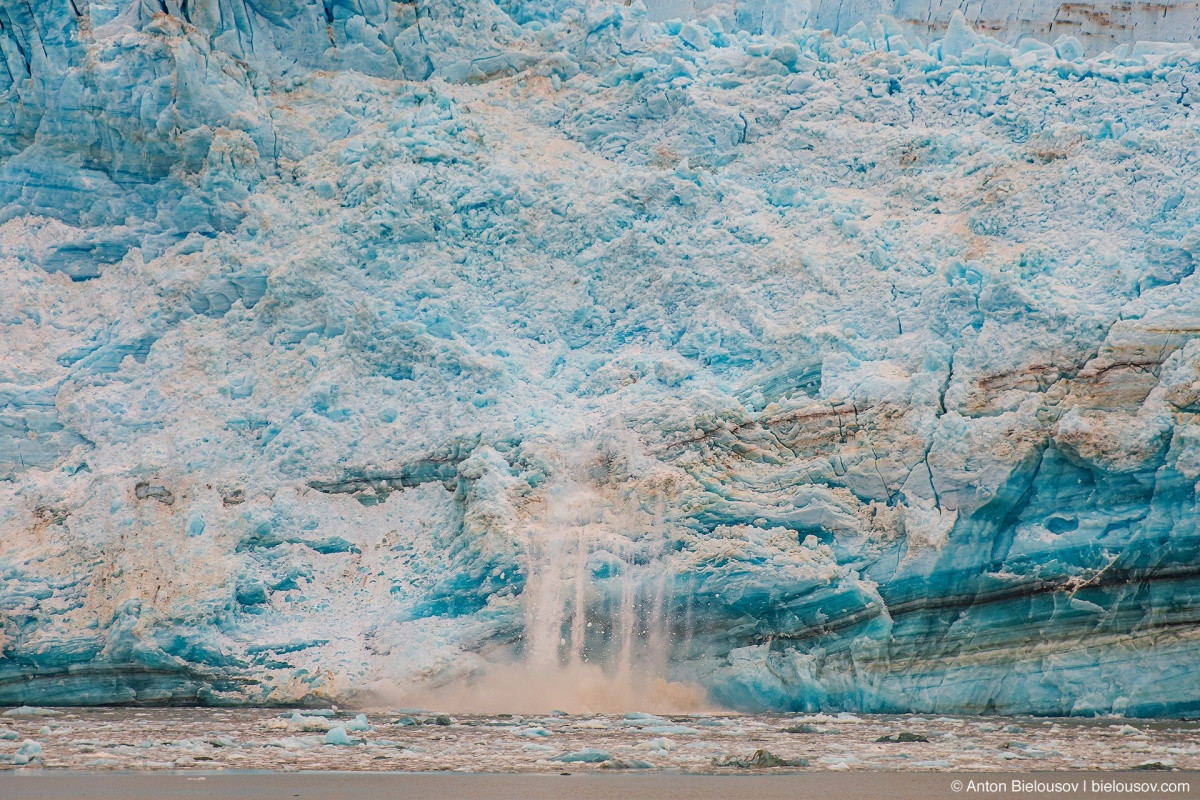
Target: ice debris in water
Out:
[182,738]
[305,723]
[586,756]
[672,730]
[903,737]
[29,751]
[761,759]
[358,724]
[32,711]
[294,742]
[626,763]
[533,732]
[337,735]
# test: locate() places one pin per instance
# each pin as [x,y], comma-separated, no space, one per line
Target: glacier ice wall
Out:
[849,371]
[1098,26]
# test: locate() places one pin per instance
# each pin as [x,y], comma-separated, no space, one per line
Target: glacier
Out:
[355,345]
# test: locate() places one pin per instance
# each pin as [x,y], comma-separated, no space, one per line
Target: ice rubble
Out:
[185,738]
[355,344]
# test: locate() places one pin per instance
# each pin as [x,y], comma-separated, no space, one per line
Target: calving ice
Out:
[373,346]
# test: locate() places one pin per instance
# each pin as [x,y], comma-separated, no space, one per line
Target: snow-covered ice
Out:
[570,355]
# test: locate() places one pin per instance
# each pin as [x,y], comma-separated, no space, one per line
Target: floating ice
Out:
[903,737]
[305,723]
[533,732]
[293,742]
[624,763]
[670,730]
[181,737]
[28,751]
[358,724]
[586,756]
[761,759]
[337,735]
[31,711]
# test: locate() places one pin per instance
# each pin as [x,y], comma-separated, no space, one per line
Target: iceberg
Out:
[357,349]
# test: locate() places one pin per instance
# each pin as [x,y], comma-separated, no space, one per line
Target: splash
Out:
[578,688]
[597,605]
[597,590]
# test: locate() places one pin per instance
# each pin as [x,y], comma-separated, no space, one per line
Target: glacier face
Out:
[1098,26]
[353,345]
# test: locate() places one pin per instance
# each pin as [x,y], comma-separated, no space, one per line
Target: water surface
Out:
[426,741]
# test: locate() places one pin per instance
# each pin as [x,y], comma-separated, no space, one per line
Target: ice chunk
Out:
[337,735]
[1069,48]
[531,732]
[670,730]
[586,756]
[294,742]
[760,759]
[903,737]
[32,711]
[358,724]
[28,752]
[310,723]
[626,763]
[959,36]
